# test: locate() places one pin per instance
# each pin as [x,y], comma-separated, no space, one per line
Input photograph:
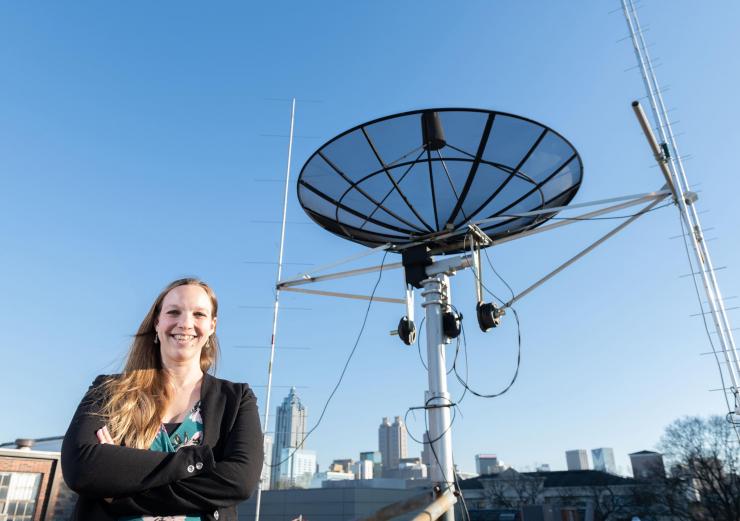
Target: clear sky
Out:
[141,142]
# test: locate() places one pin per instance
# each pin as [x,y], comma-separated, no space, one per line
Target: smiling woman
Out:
[149,442]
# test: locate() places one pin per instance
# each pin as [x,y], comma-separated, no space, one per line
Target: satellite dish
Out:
[419,181]
[423,176]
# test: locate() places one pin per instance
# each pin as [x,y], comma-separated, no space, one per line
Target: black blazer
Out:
[208,479]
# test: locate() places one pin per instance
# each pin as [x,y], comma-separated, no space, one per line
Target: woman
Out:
[165,439]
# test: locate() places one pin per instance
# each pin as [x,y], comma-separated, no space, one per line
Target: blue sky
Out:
[137,145]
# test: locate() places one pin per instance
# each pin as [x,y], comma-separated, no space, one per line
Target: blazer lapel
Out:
[211,409]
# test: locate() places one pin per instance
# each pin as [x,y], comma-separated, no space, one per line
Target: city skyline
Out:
[643,462]
[392,438]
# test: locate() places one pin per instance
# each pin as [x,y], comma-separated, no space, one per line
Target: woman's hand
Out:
[104,436]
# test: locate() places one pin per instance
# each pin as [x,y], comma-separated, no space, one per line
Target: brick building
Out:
[32,488]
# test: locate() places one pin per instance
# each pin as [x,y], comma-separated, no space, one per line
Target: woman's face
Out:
[184,324]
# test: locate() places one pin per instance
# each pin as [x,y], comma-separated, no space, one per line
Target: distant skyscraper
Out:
[576,459]
[392,442]
[377,460]
[297,468]
[290,429]
[372,455]
[603,459]
[426,452]
[266,469]
[487,464]
[384,442]
[363,469]
[344,464]
[647,464]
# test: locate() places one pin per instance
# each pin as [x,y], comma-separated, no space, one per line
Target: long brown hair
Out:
[136,400]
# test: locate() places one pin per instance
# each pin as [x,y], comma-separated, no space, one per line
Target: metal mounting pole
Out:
[440,438]
[276,307]
[435,291]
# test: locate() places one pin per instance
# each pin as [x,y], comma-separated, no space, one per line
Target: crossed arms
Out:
[142,482]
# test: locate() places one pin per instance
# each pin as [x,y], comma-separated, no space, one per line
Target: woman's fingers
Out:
[104,436]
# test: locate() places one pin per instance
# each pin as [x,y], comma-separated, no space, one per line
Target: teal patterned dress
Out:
[190,432]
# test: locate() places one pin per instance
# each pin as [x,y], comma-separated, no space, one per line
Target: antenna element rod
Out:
[276,308]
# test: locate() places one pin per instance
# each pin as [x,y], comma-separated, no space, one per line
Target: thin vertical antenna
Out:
[276,305]
[685,200]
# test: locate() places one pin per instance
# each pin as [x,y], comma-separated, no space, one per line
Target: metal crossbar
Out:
[652,197]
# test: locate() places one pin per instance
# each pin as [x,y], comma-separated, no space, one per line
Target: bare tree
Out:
[510,489]
[705,459]
[662,497]
[610,502]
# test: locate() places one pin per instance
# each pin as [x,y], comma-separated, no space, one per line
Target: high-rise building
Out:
[266,469]
[576,459]
[290,430]
[297,468]
[363,469]
[392,442]
[487,464]
[647,464]
[603,459]
[376,458]
[344,464]
[426,452]
[384,442]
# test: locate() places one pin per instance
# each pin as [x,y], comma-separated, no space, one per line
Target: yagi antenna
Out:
[666,152]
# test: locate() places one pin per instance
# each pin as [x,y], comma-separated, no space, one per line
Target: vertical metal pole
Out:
[276,307]
[688,210]
[440,437]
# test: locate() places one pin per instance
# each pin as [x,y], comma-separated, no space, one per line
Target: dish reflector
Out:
[418,176]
